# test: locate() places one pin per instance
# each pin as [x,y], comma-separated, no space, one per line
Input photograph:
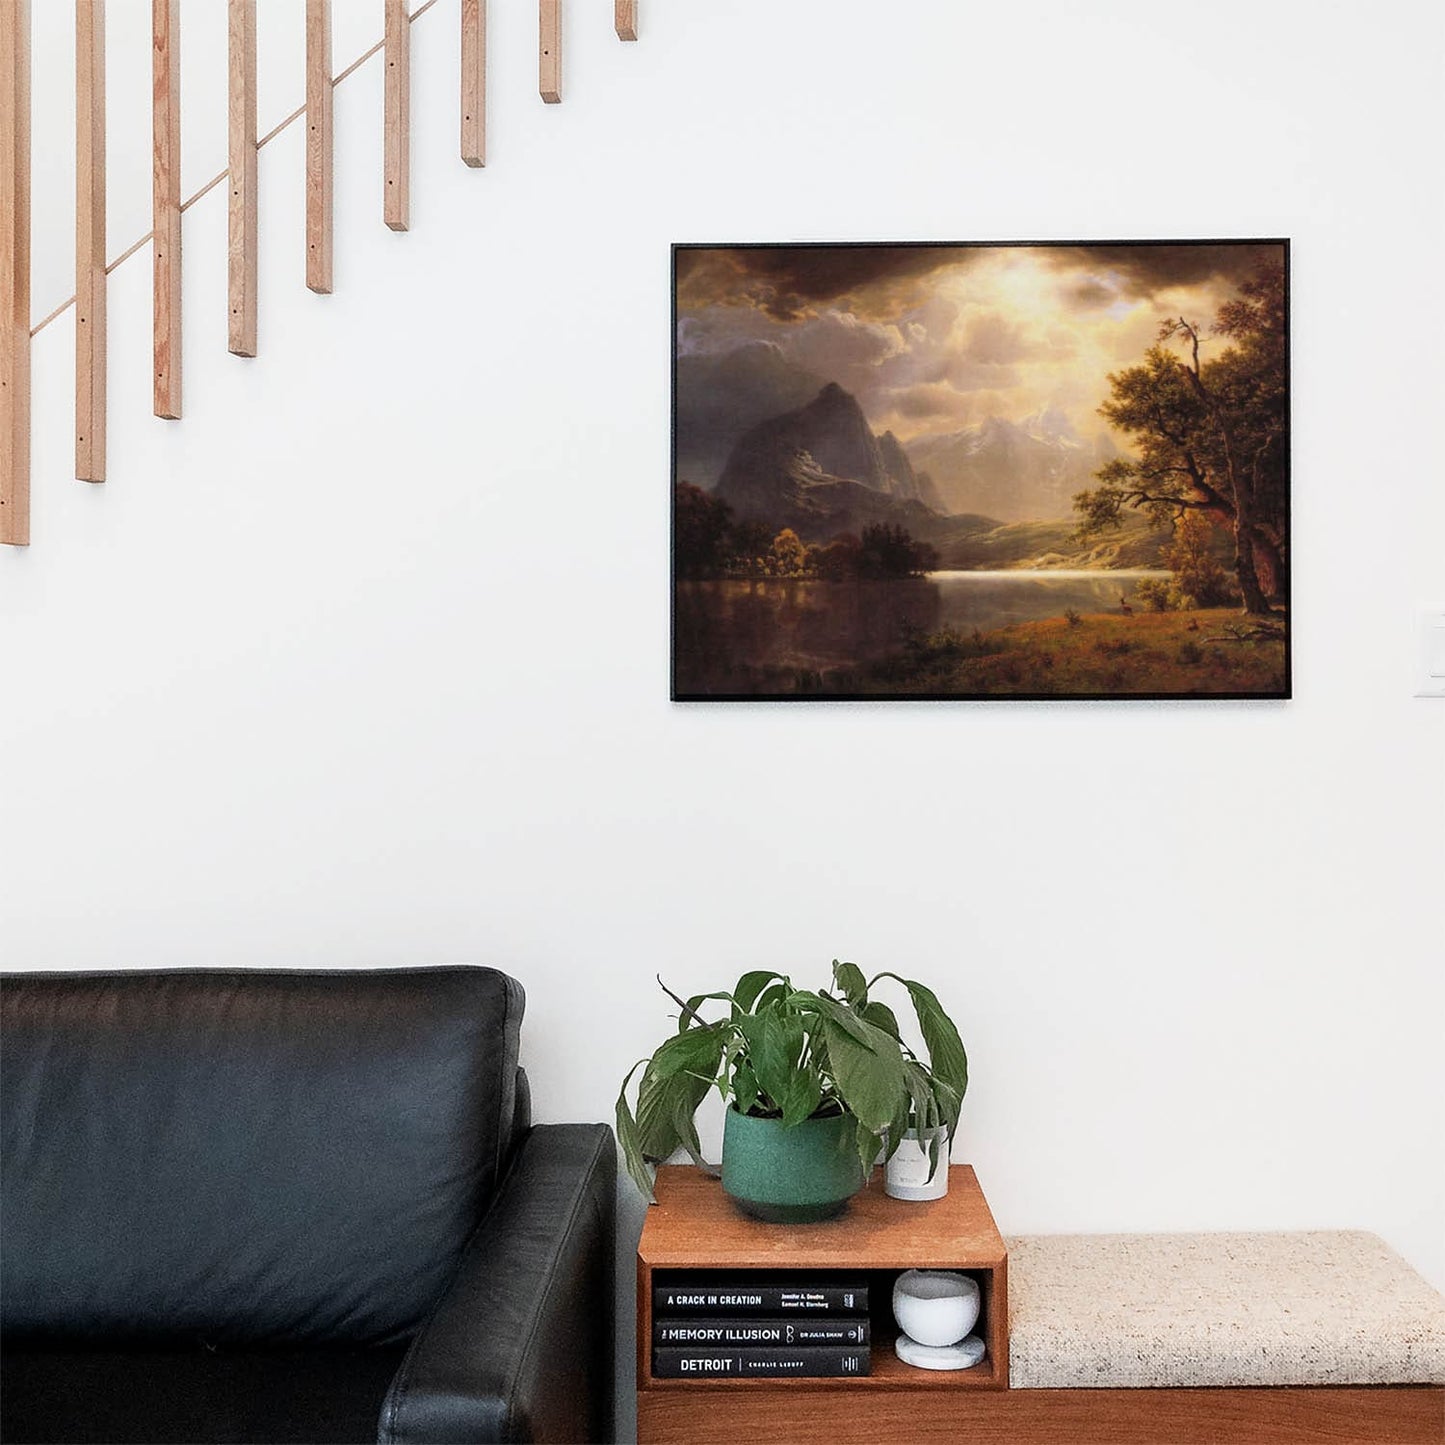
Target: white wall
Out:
[365,661]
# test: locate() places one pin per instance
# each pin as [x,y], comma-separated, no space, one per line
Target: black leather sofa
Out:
[293,1206]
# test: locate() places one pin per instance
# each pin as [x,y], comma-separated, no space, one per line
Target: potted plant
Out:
[816,1083]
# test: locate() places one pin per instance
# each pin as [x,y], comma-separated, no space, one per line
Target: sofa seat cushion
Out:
[1120,1310]
[317,1396]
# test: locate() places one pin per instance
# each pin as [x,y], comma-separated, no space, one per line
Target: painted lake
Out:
[747,635]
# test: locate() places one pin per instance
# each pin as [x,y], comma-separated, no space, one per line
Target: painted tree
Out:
[1209,435]
[701,531]
[1198,576]
[890,551]
[787,557]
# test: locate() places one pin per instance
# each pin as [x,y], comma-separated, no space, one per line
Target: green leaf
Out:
[750,985]
[803,1095]
[949,1104]
[867,1142]
[774,993]
[775,1046]
[685,1127]
[840,1016]
[848,979]
[745,1087]
[897,1127]
[657,1136]
[820,1063]
[934,1107]
[869,1075]
[694,1051]
[935,1153]
[732,1048]
[677,1077]
[630,1138]
[660,1105]
[922,1107]
[946,1053]
[881,1016]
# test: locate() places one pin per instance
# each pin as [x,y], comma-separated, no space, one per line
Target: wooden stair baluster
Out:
[166,204]
[15,272]
[241,211]
[396,208]
[474,82]
[549,50]
[318,146]
[90,284]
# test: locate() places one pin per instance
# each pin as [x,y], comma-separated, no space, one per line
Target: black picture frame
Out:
[684,686]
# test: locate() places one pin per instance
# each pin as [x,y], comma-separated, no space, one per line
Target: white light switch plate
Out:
[1432,654]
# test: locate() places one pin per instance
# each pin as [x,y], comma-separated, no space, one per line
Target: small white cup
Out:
[935,1306]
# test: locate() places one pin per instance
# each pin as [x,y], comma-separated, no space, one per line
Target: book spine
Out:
[823,1330]
[743,1299]
[815,1361]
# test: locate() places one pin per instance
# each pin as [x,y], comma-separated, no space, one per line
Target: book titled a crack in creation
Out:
[730,1298]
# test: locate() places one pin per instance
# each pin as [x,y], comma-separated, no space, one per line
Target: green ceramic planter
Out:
[791,1176]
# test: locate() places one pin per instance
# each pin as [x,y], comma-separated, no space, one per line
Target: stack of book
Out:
[741,1328]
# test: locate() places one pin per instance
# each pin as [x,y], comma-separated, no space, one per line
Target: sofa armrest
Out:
[520,1346]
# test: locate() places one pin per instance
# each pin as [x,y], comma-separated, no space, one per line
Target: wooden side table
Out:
[695,1226]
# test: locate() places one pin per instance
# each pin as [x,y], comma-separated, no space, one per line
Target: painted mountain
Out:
[720,395]
[1017,471]
[820,470]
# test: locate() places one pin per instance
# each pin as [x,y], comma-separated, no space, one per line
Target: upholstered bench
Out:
[1224,1337]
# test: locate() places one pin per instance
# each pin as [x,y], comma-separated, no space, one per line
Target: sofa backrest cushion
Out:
[246,1156]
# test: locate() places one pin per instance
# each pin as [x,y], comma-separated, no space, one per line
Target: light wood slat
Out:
[318,146]
[396,47]
[625,19]
[90,285]
[549,50]
[242,217]
[15,272]
[166,204]
[281,126]
[474,82]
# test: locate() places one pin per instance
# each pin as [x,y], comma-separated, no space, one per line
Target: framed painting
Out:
[981,471]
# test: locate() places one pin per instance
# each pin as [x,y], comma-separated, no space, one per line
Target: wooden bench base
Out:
[1275,1415]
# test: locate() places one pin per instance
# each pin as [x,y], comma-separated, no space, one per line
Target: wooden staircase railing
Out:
[243,148]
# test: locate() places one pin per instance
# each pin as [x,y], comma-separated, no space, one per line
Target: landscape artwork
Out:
[1018,470]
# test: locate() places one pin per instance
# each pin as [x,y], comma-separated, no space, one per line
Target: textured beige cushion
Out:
[1109,1310]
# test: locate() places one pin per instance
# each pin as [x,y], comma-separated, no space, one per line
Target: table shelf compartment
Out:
[696,1232]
